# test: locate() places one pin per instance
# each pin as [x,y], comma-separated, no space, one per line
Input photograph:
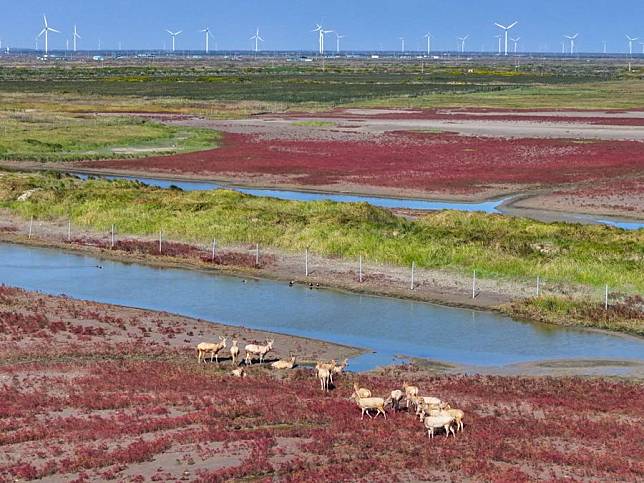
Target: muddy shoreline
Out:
[189,331]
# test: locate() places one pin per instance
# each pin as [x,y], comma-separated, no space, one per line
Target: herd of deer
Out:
[434,413]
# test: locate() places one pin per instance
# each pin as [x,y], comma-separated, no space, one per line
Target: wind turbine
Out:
[428,36]
[174,36]
[604,46]
[205,31]
[462,40]
[506,29]
[76,37]
[630,44]
[320,29]
[257,39]
[499,37]
[337,41]
[46,31]
[642,44]
[572,42]
[402,46]
[516,42]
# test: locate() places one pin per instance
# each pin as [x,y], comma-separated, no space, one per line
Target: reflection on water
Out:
[387,326]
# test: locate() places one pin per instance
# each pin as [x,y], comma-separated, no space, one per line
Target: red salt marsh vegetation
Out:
[404,160]
[176,250]
[108,405]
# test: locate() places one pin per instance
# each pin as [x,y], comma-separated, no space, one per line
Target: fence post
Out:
[69,230]
[214,247]
[538,283]
[306,262]
[160,241]
[31,224]
[413,269]
[360,270]
[257,255]
[112,240]
[606,298]
[474,285]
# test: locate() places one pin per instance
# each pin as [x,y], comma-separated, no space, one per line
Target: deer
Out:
[258,350]
[234,352]
[204,347]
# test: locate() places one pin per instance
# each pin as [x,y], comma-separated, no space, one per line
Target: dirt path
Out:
[364,127]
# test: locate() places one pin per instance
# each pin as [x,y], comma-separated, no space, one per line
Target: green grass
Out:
[42,136]
[494,245]
[623,94]
[313,123]
[393,83]
[624,315]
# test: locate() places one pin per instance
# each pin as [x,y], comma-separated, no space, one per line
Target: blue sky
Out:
[286,24]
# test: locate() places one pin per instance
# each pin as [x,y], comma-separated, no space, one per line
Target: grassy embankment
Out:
[39,136]
[496,246]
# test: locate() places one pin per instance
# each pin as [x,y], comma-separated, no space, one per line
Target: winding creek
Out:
[492,206]
[386,326]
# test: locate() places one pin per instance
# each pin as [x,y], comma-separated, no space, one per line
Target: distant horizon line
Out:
[313,53]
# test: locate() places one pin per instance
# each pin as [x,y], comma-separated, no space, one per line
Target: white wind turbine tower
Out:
[462,40]
[174,36]
[642,44]
[499,37]
[402,44]
[76,37]
[257,38]
[337,42]
[320,29]
[428,36]
[207,33]
[572,42]
[506,29]
[516,43]
[46,31]
[630,44]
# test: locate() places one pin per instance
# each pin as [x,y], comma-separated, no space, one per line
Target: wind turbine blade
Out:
[513,25]
[41,33]
[169,32]
[54,30]
[260,39]
[499,25]
[179,32]
[45,19]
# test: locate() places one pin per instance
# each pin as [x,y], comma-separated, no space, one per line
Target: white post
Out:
[31,224]
[306,262]
[413,269]
[606,298]
[112,240]
[538,283]
[360,270]
[160,241]
[214,248]
[69,230]
[474,285]
[257,255]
